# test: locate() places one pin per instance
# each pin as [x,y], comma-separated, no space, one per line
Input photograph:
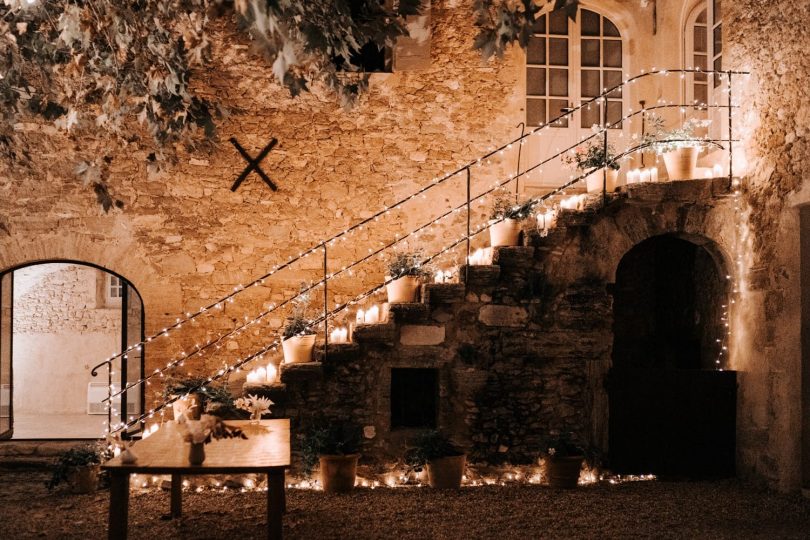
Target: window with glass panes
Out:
[601,68]
[547,66]
[717,40]
[700,58]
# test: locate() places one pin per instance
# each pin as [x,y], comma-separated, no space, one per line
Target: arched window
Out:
[697,34]
[568,62]
[704,50]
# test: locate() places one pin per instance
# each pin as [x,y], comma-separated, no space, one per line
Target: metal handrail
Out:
[323,245]
[420,191]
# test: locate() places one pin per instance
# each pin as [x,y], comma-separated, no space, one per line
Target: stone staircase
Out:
[520,346]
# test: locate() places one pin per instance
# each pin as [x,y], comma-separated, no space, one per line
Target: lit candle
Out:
[547,220]
[252,378]
[261,375]
[386,307]
[361,316]
[645,176]
[717,170]
[654,174]
[272,373]
[373,315]
[439,277]
[707,173]
[632,176]
[334,336]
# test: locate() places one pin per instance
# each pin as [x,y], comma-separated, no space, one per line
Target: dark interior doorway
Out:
[672,413]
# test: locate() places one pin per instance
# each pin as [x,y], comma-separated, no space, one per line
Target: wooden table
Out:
[267,450]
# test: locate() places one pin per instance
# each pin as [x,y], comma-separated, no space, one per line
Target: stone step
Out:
[339,353]
[510,256]
[35,454]
[412,312]
[479,276]
[276,392]
[303,372]
[382,333]
[442,293]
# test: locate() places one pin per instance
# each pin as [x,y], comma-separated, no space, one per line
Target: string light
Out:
[218,304]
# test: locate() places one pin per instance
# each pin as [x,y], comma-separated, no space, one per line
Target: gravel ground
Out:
[724,509]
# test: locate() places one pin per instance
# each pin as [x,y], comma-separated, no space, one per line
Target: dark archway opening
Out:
[672,413]
[58,319]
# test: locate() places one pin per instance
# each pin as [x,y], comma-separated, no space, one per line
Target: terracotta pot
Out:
[563,472]
[505,233]
[338,473]
[191,404]
[196,453]
[298,349]
[403,290]
[593,182]
[446,472]
[83,479]
[681,163]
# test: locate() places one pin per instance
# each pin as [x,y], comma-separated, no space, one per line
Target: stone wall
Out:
[769,40]
[184,239]
[62,299]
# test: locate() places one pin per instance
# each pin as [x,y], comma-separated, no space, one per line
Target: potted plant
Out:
[444,461]
[593,156]
[195,396]
[298,335]
[186,394]
[405,270]
[200,432]
[335,447]
[504,229]
[679,146]
[78,467]
[563,459]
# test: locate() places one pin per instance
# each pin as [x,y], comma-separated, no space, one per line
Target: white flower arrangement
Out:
[255,405]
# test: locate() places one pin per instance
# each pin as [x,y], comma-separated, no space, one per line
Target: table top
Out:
[165,452]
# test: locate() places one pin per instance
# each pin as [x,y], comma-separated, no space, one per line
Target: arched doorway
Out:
[672,412]
[59,319]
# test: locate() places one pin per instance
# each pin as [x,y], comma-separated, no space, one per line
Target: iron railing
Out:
[466,239]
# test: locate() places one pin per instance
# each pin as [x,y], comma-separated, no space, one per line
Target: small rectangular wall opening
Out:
[414,397]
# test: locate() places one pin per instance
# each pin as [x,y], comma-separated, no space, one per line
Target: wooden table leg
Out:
[177,496]
[119,505]
[276,504]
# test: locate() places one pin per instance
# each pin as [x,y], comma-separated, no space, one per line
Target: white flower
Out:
[255,405]
[552,451]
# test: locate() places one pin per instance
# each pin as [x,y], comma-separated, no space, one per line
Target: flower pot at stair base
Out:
[338,473]
[402,290]
[446,472]
[298,349]
[504,233]
[83,479]
[682,163]
[594,181]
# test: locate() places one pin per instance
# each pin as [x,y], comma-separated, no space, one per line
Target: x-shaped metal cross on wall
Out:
[253,164]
